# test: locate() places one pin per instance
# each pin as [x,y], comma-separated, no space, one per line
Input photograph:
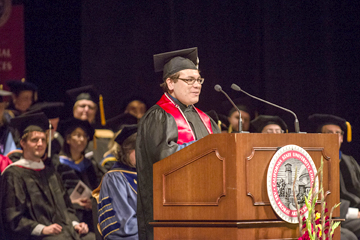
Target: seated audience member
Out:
[73,166]
[117,209]
[53,111]
[136,106]
[24,94]
[247,110]
[349,168]
[7,143]
[115,124]
[85,103]
[33,203]
[268,124]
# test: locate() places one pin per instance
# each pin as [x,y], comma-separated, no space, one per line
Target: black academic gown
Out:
[70,178]
[29,198]
[349,227]
[157,138]
[350,171]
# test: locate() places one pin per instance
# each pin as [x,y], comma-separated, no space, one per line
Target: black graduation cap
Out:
[29,123]
[175,61]
[17,86]
[317,121]
[263,120]
[83,93]
[132,98]
[126,132]
[51,109]
[4,93]
[68,126]
[118,121]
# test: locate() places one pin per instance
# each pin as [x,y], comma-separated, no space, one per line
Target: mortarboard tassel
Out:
[349,133]
[49,143]
[102,112]
[230,128]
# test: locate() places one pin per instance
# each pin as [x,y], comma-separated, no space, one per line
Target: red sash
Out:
[185,133]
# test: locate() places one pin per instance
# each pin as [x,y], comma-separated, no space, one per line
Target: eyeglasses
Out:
[91,107]
[191,81]
[79,135]
[337,132]
[274,131]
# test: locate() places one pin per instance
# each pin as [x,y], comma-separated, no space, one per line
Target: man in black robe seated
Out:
[349,169]
[170,125]
[33,202]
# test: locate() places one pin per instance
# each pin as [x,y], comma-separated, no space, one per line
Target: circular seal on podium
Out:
[281,182]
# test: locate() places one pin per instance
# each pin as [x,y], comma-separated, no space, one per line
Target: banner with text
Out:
[12,47]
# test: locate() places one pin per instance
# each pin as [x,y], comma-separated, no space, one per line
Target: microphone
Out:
[219,89]
[297,127]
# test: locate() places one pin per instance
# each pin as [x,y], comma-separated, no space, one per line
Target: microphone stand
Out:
[219,89]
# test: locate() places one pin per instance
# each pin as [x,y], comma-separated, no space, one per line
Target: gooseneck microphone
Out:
[219,89]
[296,124]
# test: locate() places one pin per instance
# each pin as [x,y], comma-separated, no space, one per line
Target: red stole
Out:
[185,133]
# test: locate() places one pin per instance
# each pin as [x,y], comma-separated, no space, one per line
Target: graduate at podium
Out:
[170,125]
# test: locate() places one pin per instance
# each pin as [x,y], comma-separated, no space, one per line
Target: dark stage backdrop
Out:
[303,55]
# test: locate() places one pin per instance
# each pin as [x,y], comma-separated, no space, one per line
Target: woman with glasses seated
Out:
[85,100]
[74,168]
[268,124]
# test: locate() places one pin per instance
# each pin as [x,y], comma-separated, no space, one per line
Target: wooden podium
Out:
[216,187]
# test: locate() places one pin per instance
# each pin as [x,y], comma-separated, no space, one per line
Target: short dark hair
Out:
[66,147]
[173,77]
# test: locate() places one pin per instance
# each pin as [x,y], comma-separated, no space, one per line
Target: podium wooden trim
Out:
[186,164]
[216,187]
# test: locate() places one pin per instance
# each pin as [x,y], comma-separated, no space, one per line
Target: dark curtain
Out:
[302,55]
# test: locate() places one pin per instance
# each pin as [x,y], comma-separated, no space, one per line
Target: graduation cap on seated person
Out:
[126,132]
[317,121]
[68,126]
[116,123]
[17,86]
[51,109]
[83,93]
[263,120]
[37,122]
[175,61]
[88,93]
[29,123]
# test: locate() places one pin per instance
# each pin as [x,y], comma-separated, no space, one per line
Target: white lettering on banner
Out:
[5,53]
[5,66]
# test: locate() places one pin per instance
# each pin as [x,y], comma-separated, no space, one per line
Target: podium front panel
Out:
[222,177]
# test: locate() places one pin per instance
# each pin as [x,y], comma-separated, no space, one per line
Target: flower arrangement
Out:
[317,225]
